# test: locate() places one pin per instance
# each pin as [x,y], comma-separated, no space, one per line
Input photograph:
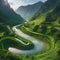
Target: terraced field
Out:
[49,40]
[9,42]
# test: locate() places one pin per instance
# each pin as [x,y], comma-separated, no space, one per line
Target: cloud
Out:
[15,4]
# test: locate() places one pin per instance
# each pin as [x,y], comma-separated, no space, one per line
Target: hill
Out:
[7,15]
[5,30]
[48,23]
[46,8]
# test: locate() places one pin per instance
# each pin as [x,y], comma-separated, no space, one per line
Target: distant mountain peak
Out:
[28,11]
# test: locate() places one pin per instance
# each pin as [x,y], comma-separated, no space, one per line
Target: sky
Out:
[17,3]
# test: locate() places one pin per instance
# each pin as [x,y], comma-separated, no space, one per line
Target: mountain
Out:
[48,23]
[46,7]
[5,30]
[7,15]
[51,25]
[54,15]
[28,11]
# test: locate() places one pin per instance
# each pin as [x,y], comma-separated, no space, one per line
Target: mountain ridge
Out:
[7,14]
[28,11]
[48,5]
[50,23]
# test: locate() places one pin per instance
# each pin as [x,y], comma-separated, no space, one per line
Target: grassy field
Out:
[7,42]
[53,47]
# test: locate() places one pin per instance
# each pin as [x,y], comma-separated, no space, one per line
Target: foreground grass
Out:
[50,54]
[7,42]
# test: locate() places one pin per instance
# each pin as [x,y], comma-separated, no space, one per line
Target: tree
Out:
[36,28]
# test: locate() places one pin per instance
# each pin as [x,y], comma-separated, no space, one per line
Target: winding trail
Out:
[39,46]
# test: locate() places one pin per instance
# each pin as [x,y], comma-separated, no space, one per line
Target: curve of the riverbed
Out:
[39,46]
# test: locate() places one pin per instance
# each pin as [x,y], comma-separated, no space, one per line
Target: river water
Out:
[39,46]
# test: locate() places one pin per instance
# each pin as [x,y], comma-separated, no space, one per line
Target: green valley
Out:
[37,39]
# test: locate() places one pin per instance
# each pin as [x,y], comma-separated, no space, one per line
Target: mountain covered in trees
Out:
[7,15]
[48,6]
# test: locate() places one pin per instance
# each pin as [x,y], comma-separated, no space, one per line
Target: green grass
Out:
[50,54]
[52,46]
[7,42]
[39,36]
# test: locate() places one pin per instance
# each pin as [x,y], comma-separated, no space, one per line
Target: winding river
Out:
[39,46]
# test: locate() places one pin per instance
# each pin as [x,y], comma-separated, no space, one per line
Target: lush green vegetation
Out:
[8,16]
[52,52]
[7,39]
[7,42]
[49,54]
[45,26]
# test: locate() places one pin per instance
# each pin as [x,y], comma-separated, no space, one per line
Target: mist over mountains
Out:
[28,11]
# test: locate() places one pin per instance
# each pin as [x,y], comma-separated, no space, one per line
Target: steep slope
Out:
[5,30]
[28,11]
[50,25]
[46,7]
[7,15]
[54,15]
